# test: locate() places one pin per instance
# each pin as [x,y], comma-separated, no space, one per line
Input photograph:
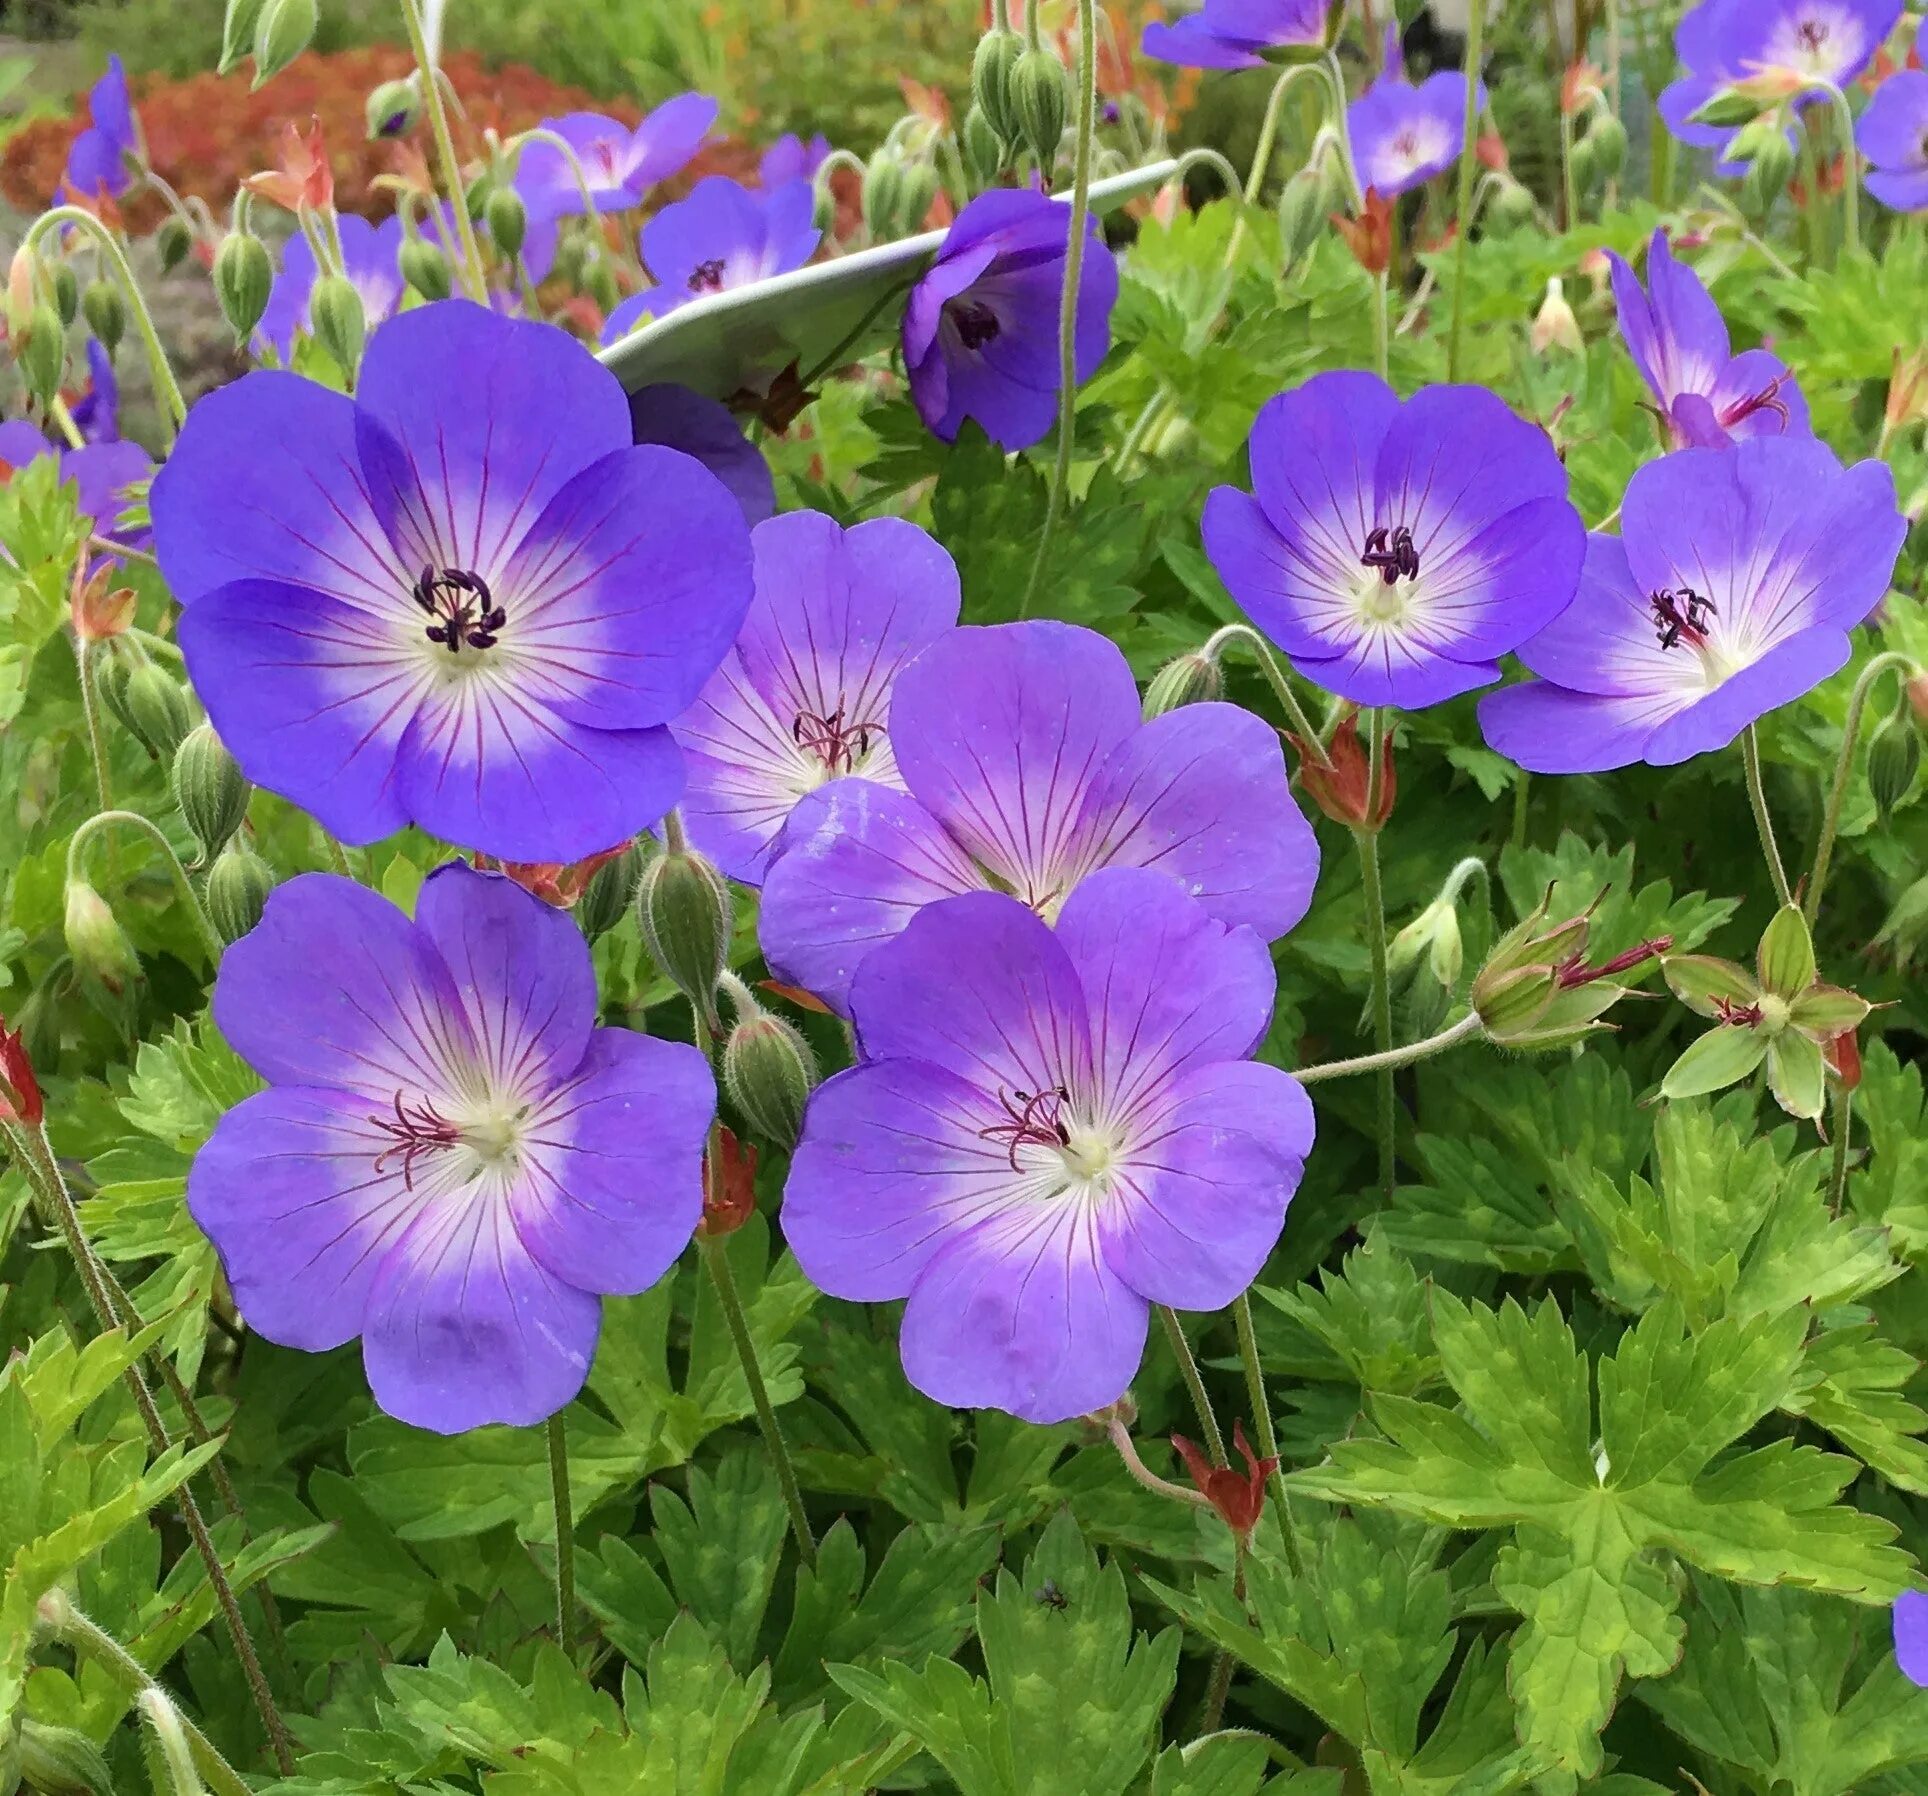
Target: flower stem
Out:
[1248,1348]
[90,713]
[1468,173]
[1368,842]
[1842,1123]
[1850,169]
[210,936]
[1068,299]
[1215,645]
[1757,797]
[166,388]
[1843,768]
[1143,1474]
[1262,157]
[1195,1383]
[1467,1027]
[438,120]
[1382,325]
[565,1536]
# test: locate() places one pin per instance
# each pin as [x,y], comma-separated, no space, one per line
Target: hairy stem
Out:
[1368,843]
[1215,646]
[1463,1030]
[1195,1383]
[1255,1395]
[90,714]
[1843,768]
[1842,1124]
[1763,821]
[565,1536]
[1468,174]
[210,936]
[438,119]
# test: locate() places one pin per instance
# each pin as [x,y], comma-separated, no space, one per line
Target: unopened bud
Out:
[172,242]
[20,1099]
[237,891]
[983,147]
[610,890]
[96,940]
[340,324]
[1608,136]
[599,282]
[1435,934]
[1304,209]
[1894,758]
[1340,782]
[243,279]
[1039,103]
[997,55]
[1585,159]
[106,312]
[41,351]
[425,266]
[687,917]
[66,290]
[395,108]
[57,1761]
[1727,109]
[915,197]
[210,788]
[769,1072]
[155,707]
[1508,206]
[171,1756]
[99,609]
[1193,679]
[508,220]
[883,194]
[1556,327]
[284,29]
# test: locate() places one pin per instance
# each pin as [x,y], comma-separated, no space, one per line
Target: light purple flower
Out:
[791,159]
[96,413]
[368,253]
[1402,135]
[461,599]
[1396,551]
[981,328]
[1893,135]
[104,476]
[805,696]
[1235,34]
[1707,396]
[1911,1636]
[98,161]
[1026,767]
[680,418]
[1731,590]
[1050,1132]
[451,1160]
[722,236]
[620,165]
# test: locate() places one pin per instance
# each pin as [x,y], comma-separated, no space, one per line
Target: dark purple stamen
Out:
[1682,616]
[1738,1016]
[1768,399]
[707,277]
[1034,1120]
[1576,971]
[976,323]
[837,744]
[413,1131]
[463,607]
[1393,553]
[1813,33]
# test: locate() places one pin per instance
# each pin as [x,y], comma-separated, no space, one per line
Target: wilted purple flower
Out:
[96,413]
[805,696]
[1893,135]
[1050,1132]
[1402,135]
[1396,551]
[103,474]
[1911,1636]
[1027,767]
[461,599]
[1731,590]
[791,159]
[981,328]
[98,161]
[451,1160]
[1235,34]
[1707,396]
[620,165]
[678,418]
[724,235]
[368,254]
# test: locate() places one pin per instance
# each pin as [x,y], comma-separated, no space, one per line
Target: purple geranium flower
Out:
[1911,1636]
[368,254]
[1893,135]
[679,418]
[1402,135]
[451,1160]
[1049,1133]
[1708,397]
[724,235]
[1235,34]
[103,475]
[98,161]
[461,599]
[620,165]
[1027,766]
[805,696]
[1731,590]
[1396,551]
[791,159]
[96,413]
[981,328]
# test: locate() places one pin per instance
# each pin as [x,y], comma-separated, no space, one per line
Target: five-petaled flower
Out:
[1238,1496]
[1396,550]
[1049,1132]
[1404,135]
[100,164]
[1236,34]
[1027,767]
[618,166]
[1893,135]
[462,599]
[451,1160]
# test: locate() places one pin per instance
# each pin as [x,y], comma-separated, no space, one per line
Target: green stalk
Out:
[565,1535]
[1367,839]
[1841,1123]
[1763,821]
[1850,169]
[1248,1348]
[210,936]
[1843,768]
[90,714]
[1274,674]
[1412,1052]
[1468,172]
[438,120]
[1195,1383]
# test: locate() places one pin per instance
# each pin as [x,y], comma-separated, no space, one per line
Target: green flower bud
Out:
[284,29]
[156,708]
[395,108]
[60,1762]
[1585,157]
[1194,679]
[609,892]
[340,324]
[1517,986]
[475,196]
[1608,136]
[210,788]
[41,351]
[599,282]
[570,256]
[914,198]
[883,194]
[425,266]
[173,241]
[66,285]
[508,220]
[243,279]
[997,55]
[237,32]
[1038,103]
[983,148]
[1726,109]
[1435,934]
[1508,206]
[106,313]
[769,1073]
[688,917]
[1894,758]
[237,890]
[1769,169]
[1304,214]
[97,942]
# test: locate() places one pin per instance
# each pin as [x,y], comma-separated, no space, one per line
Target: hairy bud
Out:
[1608,138]
[425,266]
[599,282]
[1435,935]
[983,147]
[284,29]
[96,940]
[60,1762]
[508,220]
[1894,758]
[172,242]
[243,279]
[237,891]
[1340,784]
[1770,163]
[769,1072]
[340,323]
[106,312]
[394,108]
[41,351]
[1039,103]
[609,892]
[997,55]
[687,918]
[1193,679]
[154,706]
[883,193]
[1304,212]
[66,289]
[210,788]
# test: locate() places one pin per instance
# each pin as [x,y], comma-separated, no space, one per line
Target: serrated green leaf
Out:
[721,1547]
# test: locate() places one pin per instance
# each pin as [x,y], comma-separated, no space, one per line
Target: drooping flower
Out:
[451,1160]
[1235,34]
[1050,1131]
[462,599]
[98,162]
[680,418]
[1731,590]
[1402,135]
[1027,766]
[981,328]
[1911,1636]
[1395,551]
[619,165]
[790,158]
[805,696]
[104,476]
[723,235]
[368,253]
[1893,135]
[1707,397]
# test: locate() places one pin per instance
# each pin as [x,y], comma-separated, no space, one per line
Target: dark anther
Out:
[1768,399]
[837,744]
[707,277]
[1393,553]
[1813,33]
[1737,1016]
[1035,1119]
[463,607]
[1682,616]
[416,1130]
[976,323]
